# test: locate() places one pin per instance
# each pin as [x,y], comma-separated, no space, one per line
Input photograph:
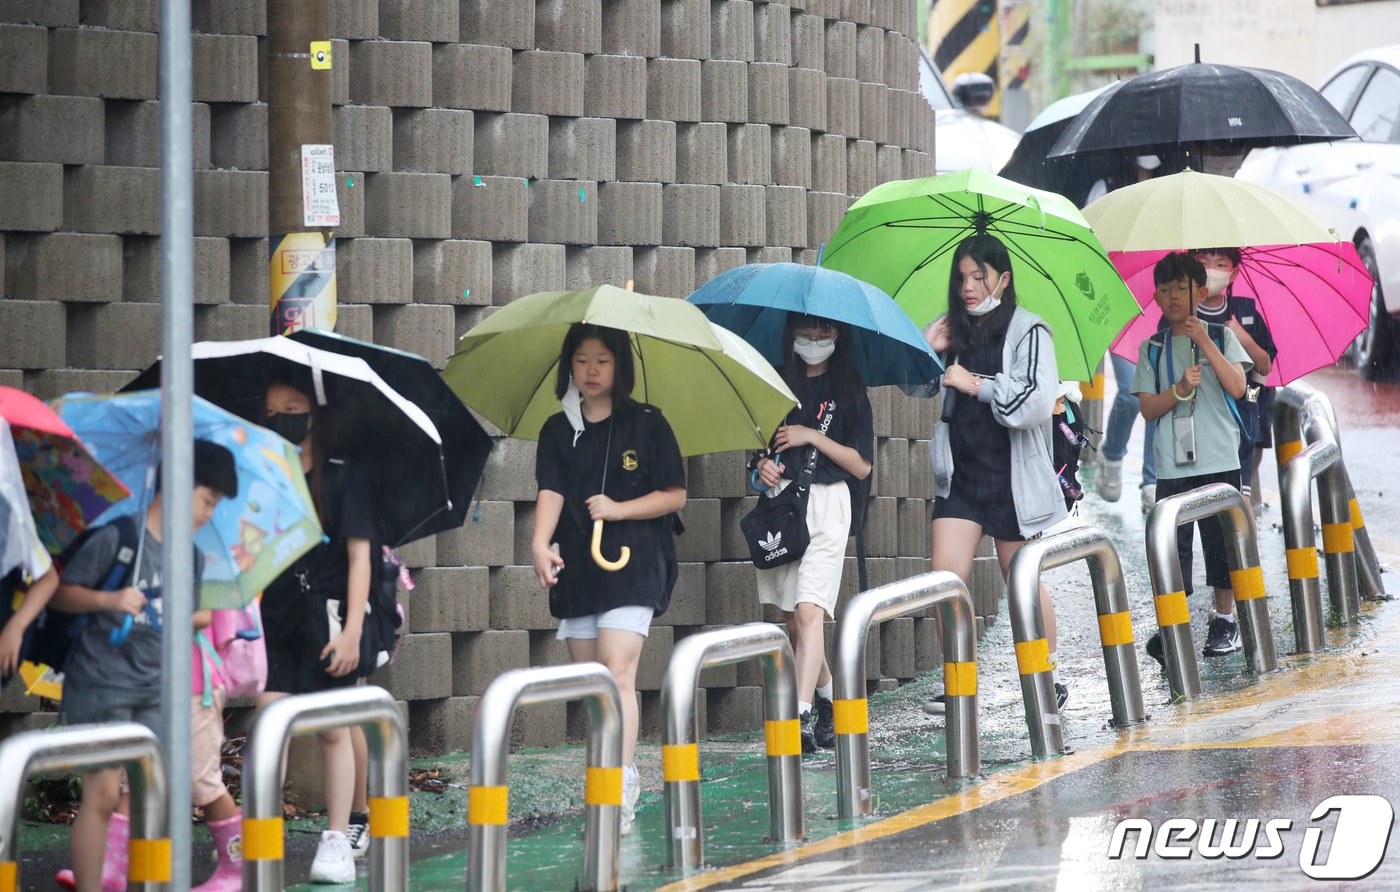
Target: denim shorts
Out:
[628,619]
[83,707]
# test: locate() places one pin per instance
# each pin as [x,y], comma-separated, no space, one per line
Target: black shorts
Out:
[296,670]
[1265,437]
[997,517]
[1212,537]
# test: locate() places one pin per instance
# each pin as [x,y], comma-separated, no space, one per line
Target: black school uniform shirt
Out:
[643,458]
[851,426]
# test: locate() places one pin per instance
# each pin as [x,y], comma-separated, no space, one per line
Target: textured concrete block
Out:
[391,72]
[355,321]
[26,51]
[882,413]
[901,62]
[238,136]
[33,196]
[897,648]
[452,271]
[490,208]
[616,87]
[52,383]
[248,271]
[688,598]
[843,106]
[517,601]
[436,21]
[411,205]
[731,30]
[772,33]
[829,163]
[912,520]
[731,539]
[918,164]
[859,11]
[417,555]
[768,93]
[632,28]
[807,98]
[225,68]
[771,254]
[824,213]
[874,105]
[718,475]
[724,91]
[564,212]
[809,41]
[646,151]
[710,262]
[690,215]
[685,29]
[731,593]
[585,267]
[350,194]
[743,216]
[488,542]
[881,529]
[353,19]
[700,541]
[214,17]
[110,64]
[547,83]
[466,75]
[986,586]
[478,657]
[499,23]
[891,468]
[518,270]
[34,334]
[870,55]
[57,129]
[841,49]
[417,671]
[364,137]
[786,212]
[59,14]
[133,134]
[428,331]
[629,213]
[511,145]
[228,203]
[442,726]
[91,328]
[792,156]
[920,469]
[112,199]
[651,666]
[860,166]
[141,276]
[669,272]
[540,725]
[433,140]
[571,26]
[702,153]
[374,270]
[750,154]
[673,89]
[582,149]
[734,709]
[889,163]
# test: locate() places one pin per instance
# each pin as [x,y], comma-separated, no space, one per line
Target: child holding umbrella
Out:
[606,459]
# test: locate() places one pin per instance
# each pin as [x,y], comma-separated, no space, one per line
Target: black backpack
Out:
[56,630]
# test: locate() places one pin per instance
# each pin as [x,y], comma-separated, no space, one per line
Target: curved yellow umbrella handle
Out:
[623,557]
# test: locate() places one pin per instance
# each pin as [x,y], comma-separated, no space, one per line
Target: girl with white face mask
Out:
[834,419]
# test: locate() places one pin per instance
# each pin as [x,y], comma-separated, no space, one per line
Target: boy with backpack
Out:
[116,573]
[1188,376]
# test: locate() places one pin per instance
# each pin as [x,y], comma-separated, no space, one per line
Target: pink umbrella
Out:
[1315,298]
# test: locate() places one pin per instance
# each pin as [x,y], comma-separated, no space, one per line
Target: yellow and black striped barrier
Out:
[964,37]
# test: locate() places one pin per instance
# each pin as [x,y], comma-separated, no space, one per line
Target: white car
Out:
[964,139]
[1354,186]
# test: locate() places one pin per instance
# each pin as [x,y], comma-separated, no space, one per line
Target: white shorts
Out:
[628,619]
[816,578]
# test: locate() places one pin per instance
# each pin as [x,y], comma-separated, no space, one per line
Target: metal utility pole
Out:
[302,209]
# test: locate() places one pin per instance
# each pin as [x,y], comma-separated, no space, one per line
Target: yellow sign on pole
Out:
[320,54]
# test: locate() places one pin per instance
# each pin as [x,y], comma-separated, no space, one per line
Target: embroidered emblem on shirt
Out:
[629,460]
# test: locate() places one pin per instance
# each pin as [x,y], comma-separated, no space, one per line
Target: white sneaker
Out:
[631,790]
[358,834]
[1149,496]
[335,861]
[1111,480]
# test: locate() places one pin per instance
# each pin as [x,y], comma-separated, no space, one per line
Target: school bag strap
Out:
[1157,343]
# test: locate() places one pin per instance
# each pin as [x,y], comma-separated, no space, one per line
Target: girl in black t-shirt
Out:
[821,370]
[607,459]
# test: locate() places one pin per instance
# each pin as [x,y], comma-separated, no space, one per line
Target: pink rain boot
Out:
[114,865]
[228,845]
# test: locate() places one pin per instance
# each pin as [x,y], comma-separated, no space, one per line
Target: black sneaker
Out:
[824,728]
[1154,649]
[809,735]
[1061,695]
[936,706]
[1222,637]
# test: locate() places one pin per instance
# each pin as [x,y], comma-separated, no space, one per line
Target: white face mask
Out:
[1216,280]
[991,301]
[814,352]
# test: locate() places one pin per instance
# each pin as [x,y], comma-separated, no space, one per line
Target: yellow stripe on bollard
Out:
[1033,656]
[1356,520]
[851,716]
[783,737]
[388,817]
[9,876]
[1092,390]
[680,762]
[263,839]
[1302,563]
[602,786]
[1172,609]
[960,679]
[1115,629]
[1286,450]
[150,861]
[1337,538]
[1247,583]
[488,805]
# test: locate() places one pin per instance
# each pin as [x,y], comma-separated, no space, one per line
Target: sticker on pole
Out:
[321,55]
[319,204]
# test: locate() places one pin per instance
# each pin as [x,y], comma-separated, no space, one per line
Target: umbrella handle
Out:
[623,556]
[117,636]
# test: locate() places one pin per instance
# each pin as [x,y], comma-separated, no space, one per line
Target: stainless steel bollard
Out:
[680,752]
[487,807]
[850,708]
[127,744]
[1169,590]
[387,737]
[1320,458]
[1090,544]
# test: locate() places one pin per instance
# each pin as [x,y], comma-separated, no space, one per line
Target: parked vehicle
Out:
[1355,187]
[964,138]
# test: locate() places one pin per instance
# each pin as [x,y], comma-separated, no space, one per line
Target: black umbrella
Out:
[374,423]
[1224,109]
[1072,177]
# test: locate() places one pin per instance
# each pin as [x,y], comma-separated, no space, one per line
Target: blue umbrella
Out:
[754,300]
[252,537]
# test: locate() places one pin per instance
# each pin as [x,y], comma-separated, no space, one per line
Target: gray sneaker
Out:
[936,706]
[1110,480]
[334,862]
[631,790]
[1149,496]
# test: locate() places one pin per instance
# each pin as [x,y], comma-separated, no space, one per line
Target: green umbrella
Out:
[901,237]
[717,392]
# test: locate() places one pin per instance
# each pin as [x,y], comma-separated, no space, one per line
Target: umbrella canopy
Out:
[754,301]
[1072,177]
[19,540]
[1207,105]
[717,392]
[1314,297]
[378,425]
[66,486]
[465,443]
[252,537]
[901,237]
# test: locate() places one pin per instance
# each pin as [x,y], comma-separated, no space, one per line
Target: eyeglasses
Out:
[808,342]
[1174,288]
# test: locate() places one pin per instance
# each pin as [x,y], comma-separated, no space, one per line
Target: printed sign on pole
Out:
[319,203]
